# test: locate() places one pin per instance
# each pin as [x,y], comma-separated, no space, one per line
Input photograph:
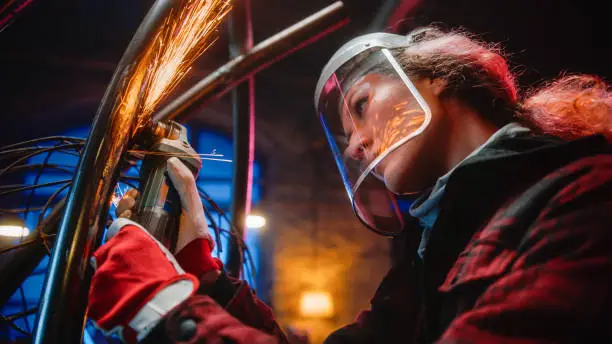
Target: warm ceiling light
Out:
[255,221]
[14,231]
[316,304]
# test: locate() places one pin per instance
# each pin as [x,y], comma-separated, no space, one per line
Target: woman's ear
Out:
[438,86]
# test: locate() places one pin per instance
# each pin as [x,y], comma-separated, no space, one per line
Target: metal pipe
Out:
[262,55]
[62,311]
[243,107]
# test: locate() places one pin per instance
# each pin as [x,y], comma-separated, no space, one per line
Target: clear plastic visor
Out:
[369,109]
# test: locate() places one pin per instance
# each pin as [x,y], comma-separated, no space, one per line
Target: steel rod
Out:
[260,57]
[62,310]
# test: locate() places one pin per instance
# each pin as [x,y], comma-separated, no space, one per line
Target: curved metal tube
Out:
[62,311]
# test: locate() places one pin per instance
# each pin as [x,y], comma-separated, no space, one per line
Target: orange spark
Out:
[185,34]
[401,125]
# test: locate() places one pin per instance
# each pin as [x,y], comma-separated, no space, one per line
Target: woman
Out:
[500,208]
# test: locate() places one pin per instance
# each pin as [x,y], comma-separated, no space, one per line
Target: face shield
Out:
[369,108]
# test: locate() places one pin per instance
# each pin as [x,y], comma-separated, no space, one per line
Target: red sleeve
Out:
[233,295]
[559,289]
[246,306]
[201,320]
[244,319]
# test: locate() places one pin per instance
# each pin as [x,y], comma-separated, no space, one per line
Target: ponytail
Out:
[477,73]
[570,107]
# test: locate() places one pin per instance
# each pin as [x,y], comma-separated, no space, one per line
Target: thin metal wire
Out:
[44,236]
[20,150]
[10,186]
[24,306]
[43,139]
[50,201]
[37,186]
[24,244]
[244,250]
[40,151]
[216,229]
[16,316]
[18,210]
[62,168]
[3,319]
[36,179]
[21,154]
[12,153]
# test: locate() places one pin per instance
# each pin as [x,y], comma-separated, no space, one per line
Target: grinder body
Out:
[159,206]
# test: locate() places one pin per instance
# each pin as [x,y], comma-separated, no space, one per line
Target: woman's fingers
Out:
[126,214]
[127,203]
[131,193]
[193,220]
[183,180]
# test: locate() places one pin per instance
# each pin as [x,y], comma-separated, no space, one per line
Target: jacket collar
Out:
[484,182]
[425,207]
[480,187]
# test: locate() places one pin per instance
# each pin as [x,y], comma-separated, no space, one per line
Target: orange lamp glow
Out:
[316,304]
[255,221]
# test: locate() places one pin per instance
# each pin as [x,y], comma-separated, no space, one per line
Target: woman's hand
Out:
[137,280]
[193,224]
[195,244]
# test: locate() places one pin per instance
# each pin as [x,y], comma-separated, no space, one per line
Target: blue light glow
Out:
[215,178]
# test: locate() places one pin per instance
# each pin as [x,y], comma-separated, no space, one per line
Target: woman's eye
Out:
[360,105]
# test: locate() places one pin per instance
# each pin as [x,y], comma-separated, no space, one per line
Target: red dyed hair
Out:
[477,73]
[571,107]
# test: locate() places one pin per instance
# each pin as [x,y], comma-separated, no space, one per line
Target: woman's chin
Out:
[402,183]
[394,184]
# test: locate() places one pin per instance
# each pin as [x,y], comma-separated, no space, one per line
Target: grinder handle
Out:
[159,206]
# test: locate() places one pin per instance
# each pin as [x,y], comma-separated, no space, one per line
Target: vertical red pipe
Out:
[243,107]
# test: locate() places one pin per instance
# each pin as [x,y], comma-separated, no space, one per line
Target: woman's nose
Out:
[358,146]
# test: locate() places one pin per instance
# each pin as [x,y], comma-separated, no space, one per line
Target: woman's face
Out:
[379,111]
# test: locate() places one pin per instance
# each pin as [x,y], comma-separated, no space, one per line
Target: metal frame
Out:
[245,62]
[62,311]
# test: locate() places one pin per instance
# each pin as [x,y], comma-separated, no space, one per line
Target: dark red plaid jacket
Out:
[521,252]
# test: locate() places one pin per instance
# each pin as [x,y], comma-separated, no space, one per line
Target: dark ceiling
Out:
[57,56]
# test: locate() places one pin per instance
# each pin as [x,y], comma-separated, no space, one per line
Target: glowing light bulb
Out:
[14,231]
[255,221]
[316,304]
